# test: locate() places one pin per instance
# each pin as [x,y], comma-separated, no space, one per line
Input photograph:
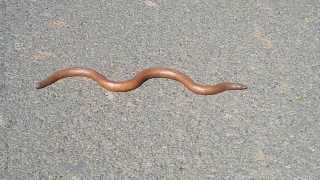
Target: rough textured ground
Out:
[76,130]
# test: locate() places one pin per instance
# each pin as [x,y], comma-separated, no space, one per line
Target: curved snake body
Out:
[139,79]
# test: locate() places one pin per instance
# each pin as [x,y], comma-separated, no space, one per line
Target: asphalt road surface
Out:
[76,130]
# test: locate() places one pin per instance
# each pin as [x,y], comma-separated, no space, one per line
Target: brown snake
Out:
[139,79]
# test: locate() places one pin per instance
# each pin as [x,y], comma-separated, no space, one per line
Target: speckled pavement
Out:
[76,130]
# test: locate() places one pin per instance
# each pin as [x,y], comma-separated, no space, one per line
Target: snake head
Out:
[235,86]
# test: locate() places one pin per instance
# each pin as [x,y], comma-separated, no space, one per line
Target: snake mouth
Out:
[38,85]
[240,86]
[235,86]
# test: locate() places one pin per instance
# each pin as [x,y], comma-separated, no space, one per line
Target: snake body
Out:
[139,79]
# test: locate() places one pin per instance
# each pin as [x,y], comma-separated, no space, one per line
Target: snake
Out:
[139,79]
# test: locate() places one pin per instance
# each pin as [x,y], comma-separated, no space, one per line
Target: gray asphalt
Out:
[76,130]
